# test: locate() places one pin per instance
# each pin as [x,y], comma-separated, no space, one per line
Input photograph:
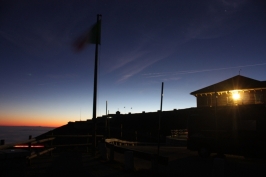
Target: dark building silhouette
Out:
[143,126]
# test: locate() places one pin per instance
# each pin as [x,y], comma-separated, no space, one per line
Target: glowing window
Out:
[236,95]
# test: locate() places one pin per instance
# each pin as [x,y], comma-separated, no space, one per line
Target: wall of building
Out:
[225,99]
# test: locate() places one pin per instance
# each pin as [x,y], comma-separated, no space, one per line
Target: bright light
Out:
[236,95]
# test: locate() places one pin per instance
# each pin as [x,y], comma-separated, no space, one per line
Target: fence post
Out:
[51,144]
[29,161]
[121,130]
[109,134]
[29,145]
[2,142]
[88,143]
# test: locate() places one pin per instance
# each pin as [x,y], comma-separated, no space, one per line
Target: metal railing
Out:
[115,146]
[179,132]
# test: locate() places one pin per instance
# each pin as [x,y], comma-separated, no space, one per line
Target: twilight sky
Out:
[187,44]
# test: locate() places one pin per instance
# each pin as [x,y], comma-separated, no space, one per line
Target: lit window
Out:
[236,95]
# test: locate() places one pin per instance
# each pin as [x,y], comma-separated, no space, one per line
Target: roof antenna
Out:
[239,72]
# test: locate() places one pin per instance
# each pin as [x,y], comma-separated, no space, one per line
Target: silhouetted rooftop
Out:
[235,83]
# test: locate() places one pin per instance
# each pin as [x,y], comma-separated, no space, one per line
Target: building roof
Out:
[234,83]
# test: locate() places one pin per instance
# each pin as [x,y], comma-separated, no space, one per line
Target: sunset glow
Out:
[187,45]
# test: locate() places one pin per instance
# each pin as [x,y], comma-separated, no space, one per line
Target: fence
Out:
[15,157]
[178,132]
[75,143]
[114,145]
[29,144]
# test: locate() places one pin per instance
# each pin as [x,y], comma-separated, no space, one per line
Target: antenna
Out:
[239,72]
[79,114]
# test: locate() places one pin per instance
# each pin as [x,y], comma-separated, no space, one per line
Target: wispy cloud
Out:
[62,76]
[126,58]
[214,20]
[171,79]
[139,65]
[144,55]
[150,75]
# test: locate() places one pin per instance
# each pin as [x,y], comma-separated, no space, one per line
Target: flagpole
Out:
[95,84]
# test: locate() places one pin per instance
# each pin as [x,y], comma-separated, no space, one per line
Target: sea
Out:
[13,134]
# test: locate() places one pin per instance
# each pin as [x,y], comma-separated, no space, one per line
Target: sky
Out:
[185,44]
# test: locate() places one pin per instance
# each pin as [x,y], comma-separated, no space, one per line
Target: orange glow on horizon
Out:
[30,123]
[11,123]
[20,121]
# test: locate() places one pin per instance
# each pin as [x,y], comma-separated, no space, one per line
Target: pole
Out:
[106,131]
[216,119]
[95,83]
[159,126]
[108,126]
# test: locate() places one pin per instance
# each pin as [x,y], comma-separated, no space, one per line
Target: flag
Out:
[92,36]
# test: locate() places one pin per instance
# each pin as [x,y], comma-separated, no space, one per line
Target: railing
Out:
[178,132]
[10,145]
[119,142]
[74,144]
[21,144]
[28,144]
[114,145]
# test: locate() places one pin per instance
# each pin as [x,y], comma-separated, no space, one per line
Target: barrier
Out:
[6,146]
[29,144]
[179,132]
[73,136]
[129,154]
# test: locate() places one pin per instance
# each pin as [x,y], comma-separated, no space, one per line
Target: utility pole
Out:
[106,121]
[159,125]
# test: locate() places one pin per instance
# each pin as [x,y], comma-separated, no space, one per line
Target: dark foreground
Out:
[181,163]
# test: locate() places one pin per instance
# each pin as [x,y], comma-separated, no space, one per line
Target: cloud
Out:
[145,53]
[156,76]
[63,76]
[171,79]
[142,63]
[152,75]
[126,58]
[217,18]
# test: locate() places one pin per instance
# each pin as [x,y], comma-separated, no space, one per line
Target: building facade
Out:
[238,90]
